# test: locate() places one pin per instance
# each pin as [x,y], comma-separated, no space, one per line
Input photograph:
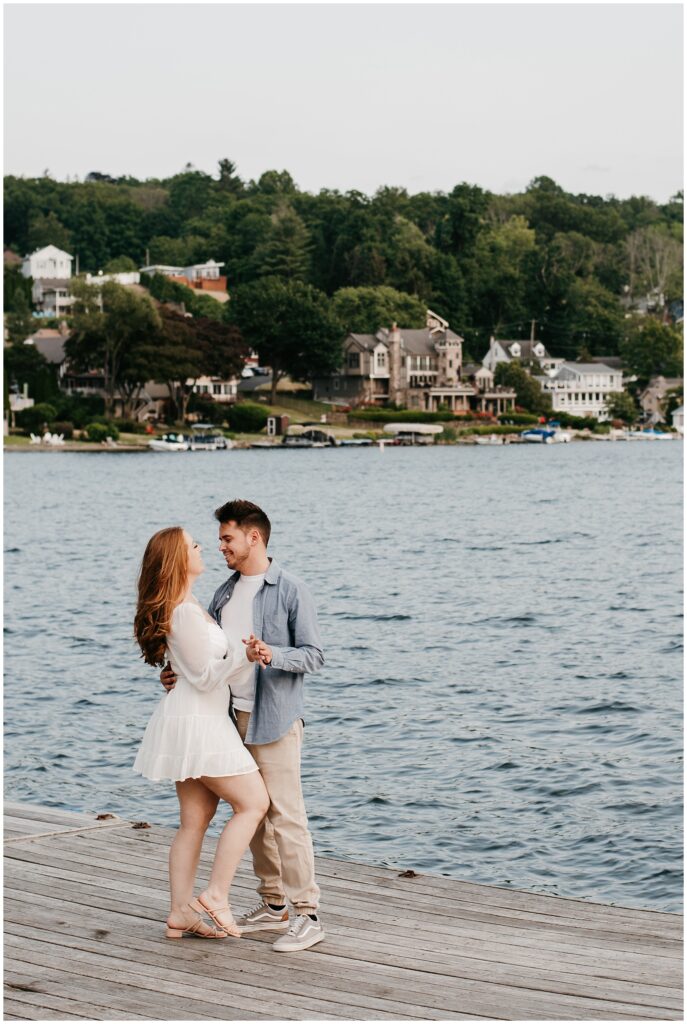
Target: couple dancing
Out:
[230,725]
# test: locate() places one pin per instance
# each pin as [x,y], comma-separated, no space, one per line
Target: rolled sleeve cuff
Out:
[277,659]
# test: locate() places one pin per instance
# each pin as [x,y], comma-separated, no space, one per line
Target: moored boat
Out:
[169,443]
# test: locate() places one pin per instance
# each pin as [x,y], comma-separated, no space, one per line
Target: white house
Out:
[679,419]
[208,271]
[49,262]
[52,296]
[123,277]
[215,387]
[525,351]
[582,389]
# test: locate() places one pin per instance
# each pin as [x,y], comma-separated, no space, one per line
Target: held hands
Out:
[257,650]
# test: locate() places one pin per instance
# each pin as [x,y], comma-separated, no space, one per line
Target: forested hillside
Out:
[488,263]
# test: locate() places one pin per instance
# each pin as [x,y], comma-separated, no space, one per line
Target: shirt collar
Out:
[273,573]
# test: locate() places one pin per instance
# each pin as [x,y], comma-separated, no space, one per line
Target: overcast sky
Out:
[351,96]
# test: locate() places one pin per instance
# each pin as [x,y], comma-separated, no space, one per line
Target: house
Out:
[217,388]
[52,296]
[415,368]
[50,343]
[201,276]
[48,262]
[652,399]
[525,351]
[679,419]
[582,389]
[123,277]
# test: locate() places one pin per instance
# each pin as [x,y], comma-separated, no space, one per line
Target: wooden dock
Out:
[85,901]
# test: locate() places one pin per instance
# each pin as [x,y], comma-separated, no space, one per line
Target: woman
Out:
[190,738]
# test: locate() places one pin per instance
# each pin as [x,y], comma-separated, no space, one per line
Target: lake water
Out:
[501,700]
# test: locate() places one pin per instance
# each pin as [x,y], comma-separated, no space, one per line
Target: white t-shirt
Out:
[237,623]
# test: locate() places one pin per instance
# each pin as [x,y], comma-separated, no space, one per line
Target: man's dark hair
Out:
[246,515]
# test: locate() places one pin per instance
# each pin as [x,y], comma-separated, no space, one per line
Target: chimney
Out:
[394,345]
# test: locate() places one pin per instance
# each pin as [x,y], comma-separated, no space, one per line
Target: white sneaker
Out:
[264,919]
[303,933]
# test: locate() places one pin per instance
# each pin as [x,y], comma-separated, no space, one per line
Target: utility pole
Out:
[534,322]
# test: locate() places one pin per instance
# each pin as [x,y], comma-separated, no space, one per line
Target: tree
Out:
[110,324]
[229,180]
[48,230]
[650,348]
[503,264]
[365,310]
[291,326]
[24,364]
[622,406]
[120,264]
[179,357]
[654,261]
[19,322]
[286,251]
[528,392]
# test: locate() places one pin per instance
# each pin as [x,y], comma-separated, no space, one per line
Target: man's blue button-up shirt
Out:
[284,617]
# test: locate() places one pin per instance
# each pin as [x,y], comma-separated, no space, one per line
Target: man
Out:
[260,600]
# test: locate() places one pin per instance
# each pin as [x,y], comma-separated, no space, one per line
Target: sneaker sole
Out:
[296,946]
[264,926]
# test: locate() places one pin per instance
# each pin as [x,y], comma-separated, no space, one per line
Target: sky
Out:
[351,96]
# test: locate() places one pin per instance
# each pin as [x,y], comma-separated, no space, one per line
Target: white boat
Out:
[169,443]
[538,435]
[207,438]
[649,435]
[490,439]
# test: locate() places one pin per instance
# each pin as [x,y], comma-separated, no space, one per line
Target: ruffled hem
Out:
[187,747]
[161,768]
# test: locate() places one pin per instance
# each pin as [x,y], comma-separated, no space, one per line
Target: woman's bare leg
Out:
[197,806]
[249,800]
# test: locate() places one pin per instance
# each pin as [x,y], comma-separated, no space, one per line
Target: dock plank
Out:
[85,901]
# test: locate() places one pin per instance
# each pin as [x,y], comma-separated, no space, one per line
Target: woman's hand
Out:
[168,678]
[257,650]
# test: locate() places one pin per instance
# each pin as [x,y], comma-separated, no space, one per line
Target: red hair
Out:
[161,585]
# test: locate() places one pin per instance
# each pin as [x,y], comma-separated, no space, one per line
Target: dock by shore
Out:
[85,902]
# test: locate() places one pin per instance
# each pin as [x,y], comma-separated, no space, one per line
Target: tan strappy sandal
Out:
[214,914]
[195,930]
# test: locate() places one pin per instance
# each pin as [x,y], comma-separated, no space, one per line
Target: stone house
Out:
[416,368]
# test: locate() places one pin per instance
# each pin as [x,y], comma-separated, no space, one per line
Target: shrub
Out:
[518,418]
[80,409]
[247,417]
[34,418]
[130,426]
[101,431]
[65,428]
[401,416]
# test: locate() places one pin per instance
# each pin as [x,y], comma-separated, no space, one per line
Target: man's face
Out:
[234,544]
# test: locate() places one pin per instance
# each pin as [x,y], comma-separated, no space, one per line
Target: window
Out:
[354,360]
[336,383]
[381,359]
[217,389]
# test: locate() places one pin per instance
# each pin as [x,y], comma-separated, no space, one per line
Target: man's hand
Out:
[168,678]
[257,650]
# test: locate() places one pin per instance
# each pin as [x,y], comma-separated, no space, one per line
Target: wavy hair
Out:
[161,584]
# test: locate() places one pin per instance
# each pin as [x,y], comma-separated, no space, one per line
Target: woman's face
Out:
[195,558]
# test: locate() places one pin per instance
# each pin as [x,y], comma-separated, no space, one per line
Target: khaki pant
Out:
[282,848]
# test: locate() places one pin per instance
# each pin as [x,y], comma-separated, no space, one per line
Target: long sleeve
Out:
[189,650]
[306,655]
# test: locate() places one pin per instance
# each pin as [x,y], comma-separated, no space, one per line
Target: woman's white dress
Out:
[190,732]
